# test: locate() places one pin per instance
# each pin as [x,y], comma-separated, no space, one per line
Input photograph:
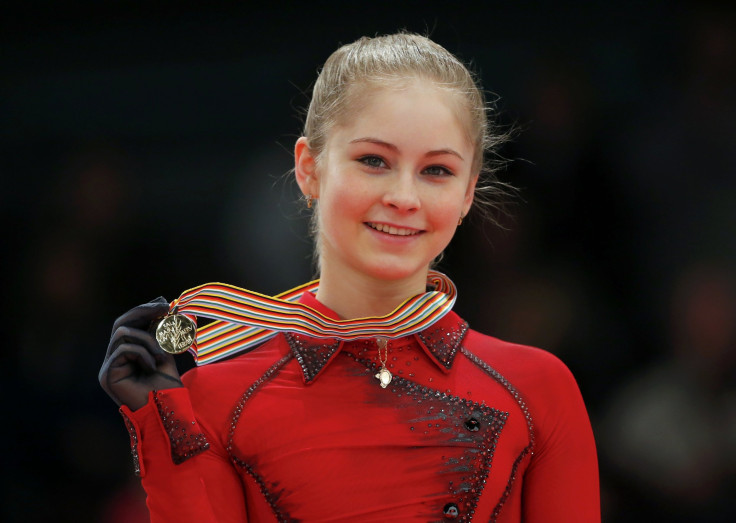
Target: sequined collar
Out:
[440,341]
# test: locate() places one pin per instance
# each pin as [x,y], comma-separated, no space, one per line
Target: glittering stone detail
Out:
[442,413]
[133,443]
[529,449]
[509,484]
[443,342]
[271,496]
[509,387]
[311,353]
[184,443]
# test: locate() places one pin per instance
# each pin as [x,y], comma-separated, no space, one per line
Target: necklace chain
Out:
[384,375]
[382,345]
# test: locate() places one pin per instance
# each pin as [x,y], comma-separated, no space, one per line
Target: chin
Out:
[396,271]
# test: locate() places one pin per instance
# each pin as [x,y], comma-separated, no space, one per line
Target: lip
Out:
[393,231]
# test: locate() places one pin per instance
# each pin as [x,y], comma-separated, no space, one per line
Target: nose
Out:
[402,193]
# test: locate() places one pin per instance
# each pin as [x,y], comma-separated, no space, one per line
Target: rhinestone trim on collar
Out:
[443,342]
[313,354]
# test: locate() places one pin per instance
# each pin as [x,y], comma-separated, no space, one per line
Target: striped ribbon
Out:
[244,319]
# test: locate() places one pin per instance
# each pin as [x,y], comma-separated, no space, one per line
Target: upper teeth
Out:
[393,230]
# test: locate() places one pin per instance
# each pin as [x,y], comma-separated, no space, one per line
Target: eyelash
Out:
[370,161]
[445,170]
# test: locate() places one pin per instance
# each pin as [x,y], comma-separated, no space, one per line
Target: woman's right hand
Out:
[135,364]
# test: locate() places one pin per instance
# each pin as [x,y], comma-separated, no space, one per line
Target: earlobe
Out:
[305,168]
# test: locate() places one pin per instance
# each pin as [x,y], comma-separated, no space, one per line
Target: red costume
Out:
[299,429]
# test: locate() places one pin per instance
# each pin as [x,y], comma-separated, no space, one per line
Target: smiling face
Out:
[392,183]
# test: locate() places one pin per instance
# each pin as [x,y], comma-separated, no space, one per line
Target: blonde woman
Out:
[441,423]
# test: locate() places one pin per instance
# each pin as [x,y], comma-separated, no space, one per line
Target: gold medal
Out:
[176,333]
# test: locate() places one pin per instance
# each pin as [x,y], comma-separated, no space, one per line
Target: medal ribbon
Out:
[244,319]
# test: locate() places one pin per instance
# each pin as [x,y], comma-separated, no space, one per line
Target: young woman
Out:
[441,423]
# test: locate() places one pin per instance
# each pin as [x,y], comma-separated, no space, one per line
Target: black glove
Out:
[134,364]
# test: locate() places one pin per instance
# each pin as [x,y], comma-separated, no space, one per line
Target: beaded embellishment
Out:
[271,497]
[184,443]
[529,449]
[510,388]
[311,353]
[133,444]
[471,428]
[444,342]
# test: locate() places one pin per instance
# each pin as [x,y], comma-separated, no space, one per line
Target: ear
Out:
[469,195]
[305,168]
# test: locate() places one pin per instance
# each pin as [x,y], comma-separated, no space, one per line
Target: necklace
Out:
[384,375]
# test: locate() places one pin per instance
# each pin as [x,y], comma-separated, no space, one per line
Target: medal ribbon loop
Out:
[244,319]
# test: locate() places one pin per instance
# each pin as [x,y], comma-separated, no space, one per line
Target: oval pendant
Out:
[176,333]
[384,377]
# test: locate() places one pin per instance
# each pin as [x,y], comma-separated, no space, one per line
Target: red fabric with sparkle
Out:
[299,429]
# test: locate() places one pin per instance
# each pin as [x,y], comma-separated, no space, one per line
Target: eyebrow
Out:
[436,152]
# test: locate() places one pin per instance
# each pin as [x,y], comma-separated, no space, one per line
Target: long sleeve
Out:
[561,483]
[185,472]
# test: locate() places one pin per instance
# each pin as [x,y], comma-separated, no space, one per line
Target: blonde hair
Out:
[395,59]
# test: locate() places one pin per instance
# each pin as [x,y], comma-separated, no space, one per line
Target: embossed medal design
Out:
[176,333]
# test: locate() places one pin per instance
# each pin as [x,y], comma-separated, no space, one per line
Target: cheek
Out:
[337,199]
[445,211]
[342,205]
[344,192]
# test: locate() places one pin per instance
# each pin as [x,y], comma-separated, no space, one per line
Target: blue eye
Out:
[374,162]
[438,170]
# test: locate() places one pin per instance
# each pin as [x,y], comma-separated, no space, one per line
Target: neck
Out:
[360,296]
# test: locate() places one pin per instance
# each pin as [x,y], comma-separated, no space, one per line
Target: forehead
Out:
[400,108]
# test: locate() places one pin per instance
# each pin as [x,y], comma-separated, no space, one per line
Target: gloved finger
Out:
[141,316]
[131,374]
[129,357]
[125,334]
[127,362]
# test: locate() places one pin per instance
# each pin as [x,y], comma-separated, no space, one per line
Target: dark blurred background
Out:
[143,152]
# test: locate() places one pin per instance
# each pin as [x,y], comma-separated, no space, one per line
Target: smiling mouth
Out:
[394,231]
